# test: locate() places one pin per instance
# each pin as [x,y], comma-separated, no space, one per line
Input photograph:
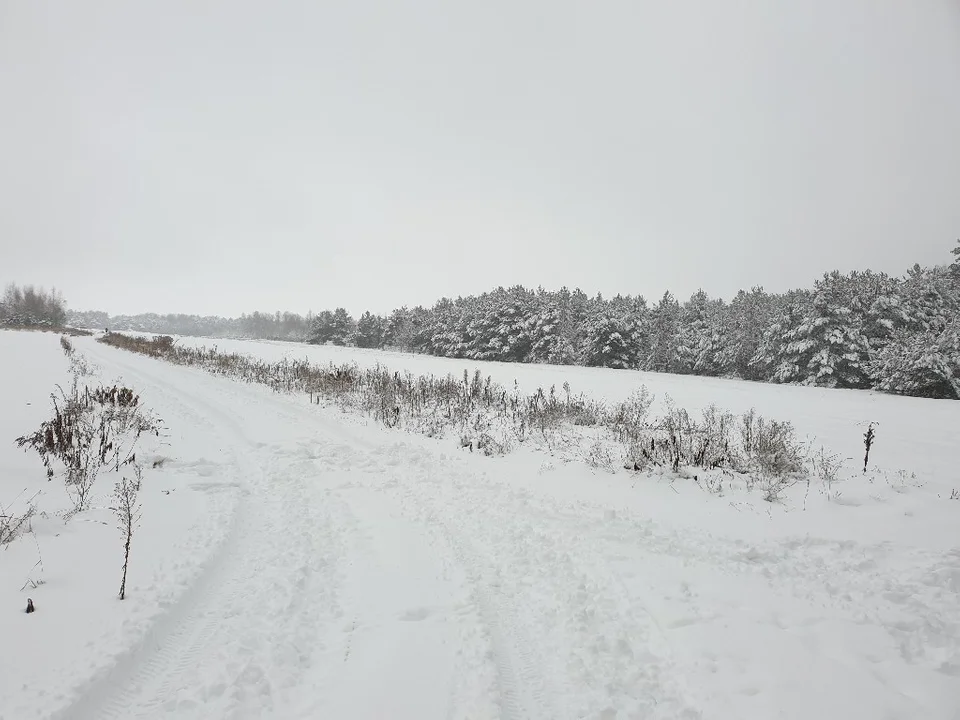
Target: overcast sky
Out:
[221,157]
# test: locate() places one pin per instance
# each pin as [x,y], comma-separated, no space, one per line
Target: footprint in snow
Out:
[416,614]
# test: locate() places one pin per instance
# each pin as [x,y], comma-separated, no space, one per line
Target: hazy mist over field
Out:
[229,156]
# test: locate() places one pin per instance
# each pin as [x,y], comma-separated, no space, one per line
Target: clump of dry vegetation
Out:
[491,419]
[90,428]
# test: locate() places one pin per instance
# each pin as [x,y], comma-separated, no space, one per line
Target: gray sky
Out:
[220,157]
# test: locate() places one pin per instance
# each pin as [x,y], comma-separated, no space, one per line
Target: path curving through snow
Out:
[365,574]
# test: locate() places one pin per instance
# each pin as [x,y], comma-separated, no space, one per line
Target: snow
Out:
[297,562]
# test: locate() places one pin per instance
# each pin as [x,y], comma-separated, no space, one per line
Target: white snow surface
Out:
[297,562]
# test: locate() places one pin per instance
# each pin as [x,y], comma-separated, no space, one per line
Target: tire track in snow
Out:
[524,692]
[143,682]
[520,684]
[172,635]
[570,640]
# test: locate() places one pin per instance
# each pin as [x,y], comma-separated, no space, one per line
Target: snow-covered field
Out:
[295,562]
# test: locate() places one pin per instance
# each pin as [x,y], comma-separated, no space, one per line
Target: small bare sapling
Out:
[868,438]
[127,510]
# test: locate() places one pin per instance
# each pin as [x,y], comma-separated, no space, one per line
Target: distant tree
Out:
[403,329]
[549,331]
[370,331]
[31,306]
[923,362]
[744,321]
[772,362]
[699,339]
[342,326]
[880,302]
[322,331]
[828,348]
[663,331]
[500,331]
[88,319]
[611,341]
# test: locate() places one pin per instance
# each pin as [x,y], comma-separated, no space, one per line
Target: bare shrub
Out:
[127,510]
[774,486]
[600,455]
[713,445]
[629,421]
[770,446]
[90,429]
[164,343]
[826,467]
[79,367]
[491,445]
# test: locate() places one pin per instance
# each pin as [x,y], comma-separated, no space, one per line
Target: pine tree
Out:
[370,331]
[501,331]
[698,342]
[787,313]
[549,332]
[341,327]
[924,362]
[399,330]
[322,331]
[663,335]
[828,348]
[884,311]
[930,297]
[610,341]
[744,321]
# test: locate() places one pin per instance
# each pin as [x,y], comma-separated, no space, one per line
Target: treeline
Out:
[859,330]
[32,307]
[257,325]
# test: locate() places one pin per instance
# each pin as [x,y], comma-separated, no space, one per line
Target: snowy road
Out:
[364,574]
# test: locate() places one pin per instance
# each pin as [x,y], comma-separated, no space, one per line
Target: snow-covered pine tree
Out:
[611,341]
[421,325]
[828,349]
[880,300]
[699,337]
[787,312]
[549,331]
[580,309]
[502,328]
[443,337]
[399,331]
[923,355]
[744,321]
[322,331]
[930,297]
[370,330]
[924,363]
[342,327]
[663,331]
